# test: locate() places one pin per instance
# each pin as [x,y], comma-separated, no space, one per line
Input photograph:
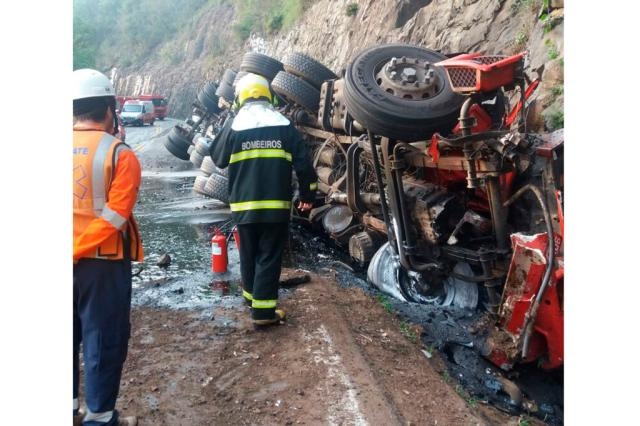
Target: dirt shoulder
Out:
[340,358]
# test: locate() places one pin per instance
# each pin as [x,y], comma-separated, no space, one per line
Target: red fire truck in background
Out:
[160,103]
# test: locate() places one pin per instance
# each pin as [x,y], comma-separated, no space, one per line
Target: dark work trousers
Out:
[101,312]
[261,246]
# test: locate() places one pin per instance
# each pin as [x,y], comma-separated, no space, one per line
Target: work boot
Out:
[280,316]
[77,418]
[128,421]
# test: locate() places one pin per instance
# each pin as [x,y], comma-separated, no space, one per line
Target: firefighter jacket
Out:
[260,146]
[106,179]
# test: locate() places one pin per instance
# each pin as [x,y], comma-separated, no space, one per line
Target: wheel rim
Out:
[386,273]
[409,78]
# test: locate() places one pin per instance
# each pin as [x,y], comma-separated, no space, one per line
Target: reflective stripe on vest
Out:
[97,173]
[260,153]
[259,205]
[113,217]
[98,183]
[247,295]
[263,304]
[97,178]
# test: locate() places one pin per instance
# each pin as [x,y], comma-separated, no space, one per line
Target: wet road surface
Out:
[176,221]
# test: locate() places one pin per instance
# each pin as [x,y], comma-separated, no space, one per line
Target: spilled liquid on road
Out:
[175,220]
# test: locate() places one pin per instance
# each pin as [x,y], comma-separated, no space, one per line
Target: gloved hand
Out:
[304,207]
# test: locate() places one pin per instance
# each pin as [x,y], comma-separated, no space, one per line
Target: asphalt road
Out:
[147,142]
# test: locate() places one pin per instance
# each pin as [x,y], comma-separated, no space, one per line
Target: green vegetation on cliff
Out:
[266,16]
[110,33]
[123,32]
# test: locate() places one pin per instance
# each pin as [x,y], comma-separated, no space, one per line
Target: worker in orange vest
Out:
[106,179]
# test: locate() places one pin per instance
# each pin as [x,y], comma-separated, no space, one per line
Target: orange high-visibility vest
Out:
[106,179]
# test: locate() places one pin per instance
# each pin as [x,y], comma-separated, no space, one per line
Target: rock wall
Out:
[327,33]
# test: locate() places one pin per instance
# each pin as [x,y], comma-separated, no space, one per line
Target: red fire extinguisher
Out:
[236,236]
[218,252]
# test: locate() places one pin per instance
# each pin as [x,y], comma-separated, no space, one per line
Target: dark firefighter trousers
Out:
[261,246]
[101,312]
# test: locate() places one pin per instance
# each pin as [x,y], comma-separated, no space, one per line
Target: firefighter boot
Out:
[279,316]
[77,418]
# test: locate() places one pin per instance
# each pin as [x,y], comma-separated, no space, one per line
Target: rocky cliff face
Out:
[327,33]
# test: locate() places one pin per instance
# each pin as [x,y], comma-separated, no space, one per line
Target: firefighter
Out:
[106,179]
[260,146]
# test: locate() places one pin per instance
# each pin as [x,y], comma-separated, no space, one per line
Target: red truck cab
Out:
[120,100]
[160,105]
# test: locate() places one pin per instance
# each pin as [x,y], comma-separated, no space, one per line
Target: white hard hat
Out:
[88,83]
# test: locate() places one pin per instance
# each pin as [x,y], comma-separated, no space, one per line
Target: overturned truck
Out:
[428,175]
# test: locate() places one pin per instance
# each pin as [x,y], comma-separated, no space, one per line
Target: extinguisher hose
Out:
[531,314]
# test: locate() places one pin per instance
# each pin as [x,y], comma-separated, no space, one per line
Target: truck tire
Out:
[229,76]
[199,183]
[196,158]
[226,92]
[217,187]
[177,142]
[209,100]
[207,165]
[309,69]
[221,172]
[295,90]
[393,116]
[175,150]
[209,89]
[202,145]
[180,137]
[263,65]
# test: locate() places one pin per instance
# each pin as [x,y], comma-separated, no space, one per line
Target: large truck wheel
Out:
[176,150]
[199,183]
[208,98]
[296,91]
[178,143]
[309,69]
[225,91]
[263,65]
[217,187]
[229,76]
[395,91]
[196,158]
[207,165]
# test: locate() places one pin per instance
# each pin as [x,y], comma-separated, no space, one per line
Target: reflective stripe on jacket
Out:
[106,179]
